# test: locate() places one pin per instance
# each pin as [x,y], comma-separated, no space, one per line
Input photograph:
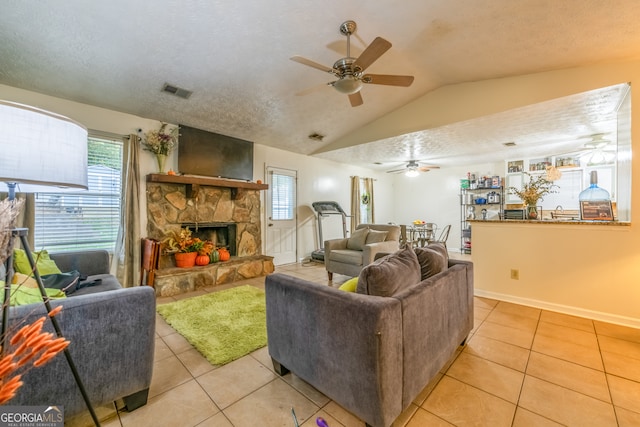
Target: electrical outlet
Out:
[515,274]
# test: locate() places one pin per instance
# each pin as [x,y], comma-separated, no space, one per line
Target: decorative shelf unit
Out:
[469,207]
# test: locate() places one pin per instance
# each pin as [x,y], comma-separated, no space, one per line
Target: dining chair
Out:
[444,235]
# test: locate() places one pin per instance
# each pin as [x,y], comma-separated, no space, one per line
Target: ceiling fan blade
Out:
[312,89]
[355,99]
[427,168]
[372,53]
[310,63]
[387,79]
[397,170]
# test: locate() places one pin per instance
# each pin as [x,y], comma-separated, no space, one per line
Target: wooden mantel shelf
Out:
[193,182]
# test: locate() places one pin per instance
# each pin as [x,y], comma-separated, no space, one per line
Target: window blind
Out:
[73,220]
[282,197]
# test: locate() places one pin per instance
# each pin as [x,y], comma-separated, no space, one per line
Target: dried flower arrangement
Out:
[30,348]
[9,211]
[182,241]
[534,190]
[161,141]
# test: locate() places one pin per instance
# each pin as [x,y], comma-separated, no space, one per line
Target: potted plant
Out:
[183,245]
[533,191]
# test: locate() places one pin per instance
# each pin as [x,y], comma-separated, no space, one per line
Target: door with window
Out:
[280,209]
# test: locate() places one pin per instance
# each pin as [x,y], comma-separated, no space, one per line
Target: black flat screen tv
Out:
[211,154]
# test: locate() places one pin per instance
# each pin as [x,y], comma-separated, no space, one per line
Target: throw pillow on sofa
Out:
[431,262]
[350,285]
[44,264]
[441,249]
[390,274]
[376,236]
[358,239]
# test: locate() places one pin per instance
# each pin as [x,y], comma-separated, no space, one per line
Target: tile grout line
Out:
[526,366]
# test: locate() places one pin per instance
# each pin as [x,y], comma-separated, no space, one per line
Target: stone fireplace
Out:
[226,212]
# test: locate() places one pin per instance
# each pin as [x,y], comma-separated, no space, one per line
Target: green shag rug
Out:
[223,325]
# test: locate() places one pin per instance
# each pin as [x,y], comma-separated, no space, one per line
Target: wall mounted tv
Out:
[211,154]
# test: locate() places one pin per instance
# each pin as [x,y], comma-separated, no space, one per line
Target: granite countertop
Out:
[551,221]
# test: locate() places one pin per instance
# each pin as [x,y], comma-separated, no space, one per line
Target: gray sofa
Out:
[349,255]
[111,332]
[371,354]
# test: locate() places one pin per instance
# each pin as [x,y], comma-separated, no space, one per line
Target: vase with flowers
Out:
[534,191]
[161,142]
[184,246]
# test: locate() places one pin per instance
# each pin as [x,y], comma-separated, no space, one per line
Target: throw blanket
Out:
[22,295]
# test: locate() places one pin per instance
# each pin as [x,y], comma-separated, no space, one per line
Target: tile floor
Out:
[521,367]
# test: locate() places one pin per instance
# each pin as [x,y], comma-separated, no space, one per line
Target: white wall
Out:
[435,197]
[323,180]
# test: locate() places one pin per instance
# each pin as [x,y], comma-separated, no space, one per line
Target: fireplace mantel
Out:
[192,183]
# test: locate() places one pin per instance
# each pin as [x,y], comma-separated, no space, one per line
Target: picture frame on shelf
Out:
[598,210]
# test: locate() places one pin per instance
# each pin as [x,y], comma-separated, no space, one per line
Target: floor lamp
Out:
[40,151]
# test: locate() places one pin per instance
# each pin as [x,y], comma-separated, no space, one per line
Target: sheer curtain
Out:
[355,202]
[367,184]
[126,257]
[362,208]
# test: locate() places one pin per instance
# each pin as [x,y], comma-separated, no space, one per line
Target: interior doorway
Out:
[280,211]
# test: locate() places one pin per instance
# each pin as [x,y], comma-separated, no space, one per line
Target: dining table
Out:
[419,235]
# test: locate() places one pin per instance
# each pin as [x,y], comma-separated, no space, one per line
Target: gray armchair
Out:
[348,255]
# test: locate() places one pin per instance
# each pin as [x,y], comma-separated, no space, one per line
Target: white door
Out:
[281,227]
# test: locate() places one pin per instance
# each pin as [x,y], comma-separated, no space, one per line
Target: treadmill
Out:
[324,209]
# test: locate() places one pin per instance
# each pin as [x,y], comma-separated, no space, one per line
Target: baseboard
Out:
[565,309]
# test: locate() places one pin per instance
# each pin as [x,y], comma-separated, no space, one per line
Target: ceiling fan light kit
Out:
[347,85]
[349,70]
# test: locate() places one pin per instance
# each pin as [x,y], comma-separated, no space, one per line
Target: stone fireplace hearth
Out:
[226,211]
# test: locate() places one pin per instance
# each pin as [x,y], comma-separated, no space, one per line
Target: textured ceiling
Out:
[234,56]
[554,127]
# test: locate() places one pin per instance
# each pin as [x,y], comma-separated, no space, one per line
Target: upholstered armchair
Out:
[348,255]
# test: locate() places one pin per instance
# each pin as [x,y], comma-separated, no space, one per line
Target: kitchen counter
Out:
[552,221]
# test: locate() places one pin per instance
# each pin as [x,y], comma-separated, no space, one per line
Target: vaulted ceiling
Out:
[234,57]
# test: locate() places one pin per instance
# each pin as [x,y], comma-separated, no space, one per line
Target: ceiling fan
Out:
[597,151]
[350,71]
[413,168]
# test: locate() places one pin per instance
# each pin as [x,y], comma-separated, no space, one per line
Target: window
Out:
[73,220]
[282,196]
[366,213]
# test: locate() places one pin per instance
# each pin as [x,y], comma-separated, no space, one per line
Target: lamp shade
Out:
[42,148]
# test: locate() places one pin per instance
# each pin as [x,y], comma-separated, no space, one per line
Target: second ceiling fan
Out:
[350,71]
[413,168]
